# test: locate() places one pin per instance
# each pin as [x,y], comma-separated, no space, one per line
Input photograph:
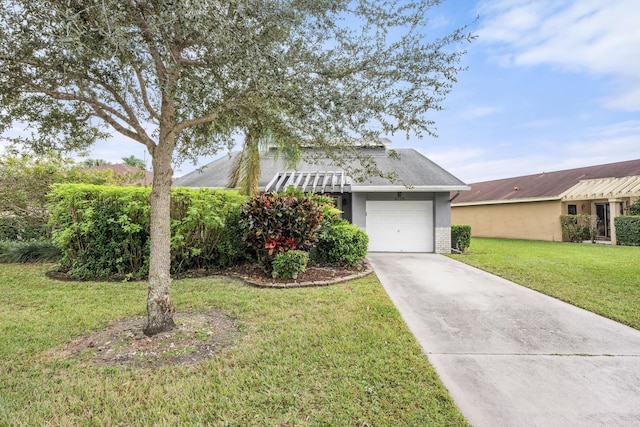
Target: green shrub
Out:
[276,224]
[342,243]
[577,228]
[460,237]
[627,230]
[34,251]
[291,263]
[326,202]
[232,249]
[24,228]
[199,218]
[103,231]
[634,209]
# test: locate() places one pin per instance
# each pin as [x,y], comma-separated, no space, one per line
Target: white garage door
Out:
[400,226]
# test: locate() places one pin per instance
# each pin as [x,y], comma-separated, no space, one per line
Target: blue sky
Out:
[550,85]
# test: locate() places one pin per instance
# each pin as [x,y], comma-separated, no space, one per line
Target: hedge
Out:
[460,237]
[103,231]
[24,228]
[627,230]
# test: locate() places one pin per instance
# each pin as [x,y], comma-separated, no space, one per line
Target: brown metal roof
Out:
[546,185]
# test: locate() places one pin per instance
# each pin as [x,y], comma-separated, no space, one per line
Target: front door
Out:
[602,211]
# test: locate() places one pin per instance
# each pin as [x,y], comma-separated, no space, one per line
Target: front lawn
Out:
[603,279]
[335,356]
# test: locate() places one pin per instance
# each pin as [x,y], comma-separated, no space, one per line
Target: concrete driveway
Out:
[511,356]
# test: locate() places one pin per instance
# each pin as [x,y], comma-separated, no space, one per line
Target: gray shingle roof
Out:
[412,168]
[544,185]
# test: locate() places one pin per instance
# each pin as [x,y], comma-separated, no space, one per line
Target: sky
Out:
[550,85]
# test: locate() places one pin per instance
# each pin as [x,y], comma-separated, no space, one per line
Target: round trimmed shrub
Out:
[290,263]
[342,243]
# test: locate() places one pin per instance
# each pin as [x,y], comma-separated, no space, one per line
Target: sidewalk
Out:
[511,356]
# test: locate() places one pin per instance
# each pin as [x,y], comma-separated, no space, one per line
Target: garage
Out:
[400,225]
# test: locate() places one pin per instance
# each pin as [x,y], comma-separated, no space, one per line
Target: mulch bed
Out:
[253,274]
[313,276]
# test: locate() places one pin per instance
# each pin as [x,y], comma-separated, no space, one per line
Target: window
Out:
[572,209]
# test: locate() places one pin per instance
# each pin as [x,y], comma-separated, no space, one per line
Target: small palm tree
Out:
[91,163]
[245,172]
[135,162]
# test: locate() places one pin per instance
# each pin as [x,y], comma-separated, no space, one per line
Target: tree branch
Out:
[143,139]
[78,77]
[147,36]
[131,120]
[143,90]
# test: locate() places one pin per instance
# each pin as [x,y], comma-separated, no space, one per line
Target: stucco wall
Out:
[530,221]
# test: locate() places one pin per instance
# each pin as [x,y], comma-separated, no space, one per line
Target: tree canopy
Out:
[308,70]
[183,77]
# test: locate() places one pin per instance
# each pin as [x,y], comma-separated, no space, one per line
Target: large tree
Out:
[182,76]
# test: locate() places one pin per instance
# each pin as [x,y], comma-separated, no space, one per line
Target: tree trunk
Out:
[159,306]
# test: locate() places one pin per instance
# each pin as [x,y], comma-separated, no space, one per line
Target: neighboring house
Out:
[410,215]
[529,207]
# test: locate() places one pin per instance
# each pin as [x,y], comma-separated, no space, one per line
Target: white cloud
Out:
[454,157]
[540,123]
[599,37]
[626,96]
[628,127]
[488,169]
[599,145]
[478,111]
[607,149]
[117,147]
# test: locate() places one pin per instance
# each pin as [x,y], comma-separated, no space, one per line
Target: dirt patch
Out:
[197,336]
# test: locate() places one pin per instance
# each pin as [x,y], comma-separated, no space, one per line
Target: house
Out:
[529,207]
[411,214]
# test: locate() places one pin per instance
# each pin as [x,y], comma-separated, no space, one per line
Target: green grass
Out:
[330,356]
[603,279]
